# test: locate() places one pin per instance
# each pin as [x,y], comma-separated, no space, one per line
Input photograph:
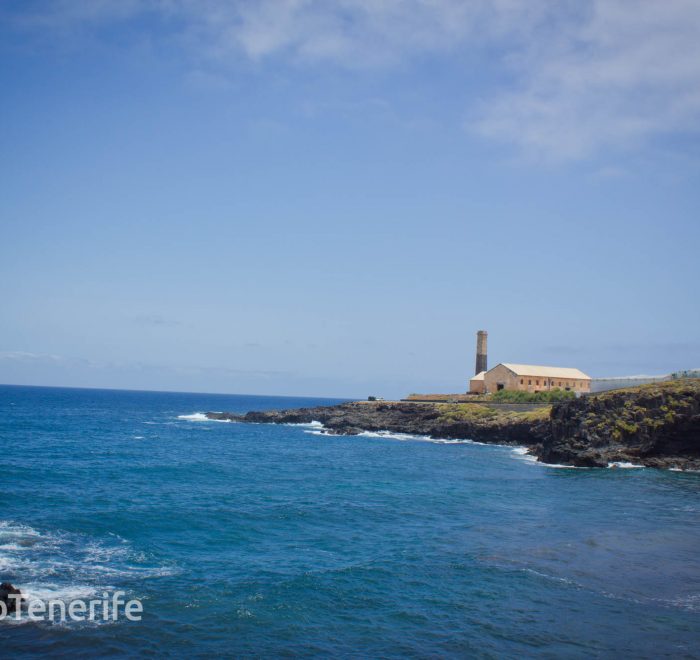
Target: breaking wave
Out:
[522,453]
[319,429]
[64,566]
[201,417]
[312,425]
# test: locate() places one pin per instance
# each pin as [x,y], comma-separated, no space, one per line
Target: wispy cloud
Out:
[574,77]
[26,356]
[616,75]
[66,362]
[155,320]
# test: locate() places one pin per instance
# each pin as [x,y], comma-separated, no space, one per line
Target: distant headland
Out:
[654,425]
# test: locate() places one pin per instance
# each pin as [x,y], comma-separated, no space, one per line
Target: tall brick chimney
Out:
[481,351]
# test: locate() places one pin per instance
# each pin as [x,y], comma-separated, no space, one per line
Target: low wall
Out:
[607,384]
[506,407]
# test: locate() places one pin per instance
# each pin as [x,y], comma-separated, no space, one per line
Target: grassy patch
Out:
[465,412]
[472,412]
[537,415]
[518,396]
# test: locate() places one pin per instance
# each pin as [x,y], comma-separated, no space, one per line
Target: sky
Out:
[306,197]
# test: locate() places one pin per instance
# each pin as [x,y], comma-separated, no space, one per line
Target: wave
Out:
[393,435]
[201,417]
[312,424]
[522,453]
[195,417]
[320,429]
[455,441]
[64,566]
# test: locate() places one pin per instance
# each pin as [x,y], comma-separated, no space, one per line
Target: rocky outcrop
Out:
[10,597]
[465,421]
[655,425]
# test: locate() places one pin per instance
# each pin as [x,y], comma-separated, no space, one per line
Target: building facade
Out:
[532,378]
[476,384]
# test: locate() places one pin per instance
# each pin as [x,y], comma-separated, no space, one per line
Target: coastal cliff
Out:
[469,421]
[653,425]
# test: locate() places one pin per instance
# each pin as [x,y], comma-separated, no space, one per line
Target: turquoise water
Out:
[274,540]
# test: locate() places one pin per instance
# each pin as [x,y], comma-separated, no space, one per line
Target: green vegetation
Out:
[451,413]
[517,396]
[464,412]
[643,411]
[627,427]
[536,415]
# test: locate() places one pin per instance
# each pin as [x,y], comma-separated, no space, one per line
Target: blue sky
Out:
[330,198]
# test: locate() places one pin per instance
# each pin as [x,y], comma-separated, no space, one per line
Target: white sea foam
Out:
[195,417]
[14,547]
[521,453]
[454,441]
[200,417]
[391,435]
[9,528]
[64,566]
[53,591]
[311,425]
[691,602]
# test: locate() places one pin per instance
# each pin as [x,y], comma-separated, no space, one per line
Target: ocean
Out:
[258,540]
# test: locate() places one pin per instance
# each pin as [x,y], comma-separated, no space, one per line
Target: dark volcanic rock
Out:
[6,591]
[436,420]
[654,425]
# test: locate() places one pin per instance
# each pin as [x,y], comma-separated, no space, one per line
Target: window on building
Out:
[537,382]
[529,382]
[522,381]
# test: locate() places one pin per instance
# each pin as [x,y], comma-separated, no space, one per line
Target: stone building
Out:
[531,378]
[476,384]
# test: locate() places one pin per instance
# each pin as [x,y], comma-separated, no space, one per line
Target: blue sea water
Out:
[277,541]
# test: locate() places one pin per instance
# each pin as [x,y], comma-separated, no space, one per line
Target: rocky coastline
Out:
[653,425]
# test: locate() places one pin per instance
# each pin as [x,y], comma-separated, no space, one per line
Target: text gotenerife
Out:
[109,608]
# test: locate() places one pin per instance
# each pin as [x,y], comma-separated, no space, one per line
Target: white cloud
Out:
[351,33]
[621,74]
[25,356]
[575,76]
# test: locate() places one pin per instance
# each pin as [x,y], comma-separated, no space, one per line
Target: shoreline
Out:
[655,425]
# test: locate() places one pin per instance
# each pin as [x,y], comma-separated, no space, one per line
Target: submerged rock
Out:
[8,590]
